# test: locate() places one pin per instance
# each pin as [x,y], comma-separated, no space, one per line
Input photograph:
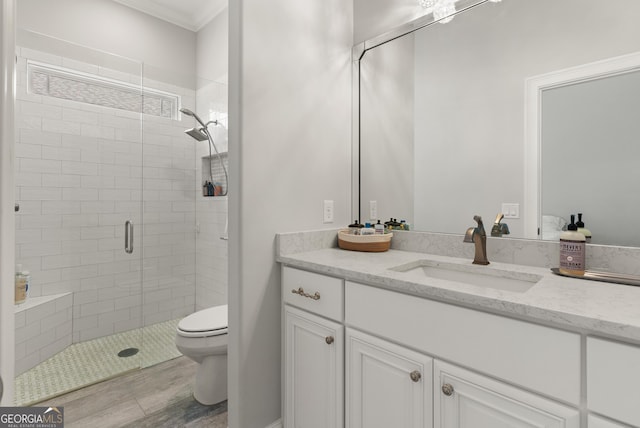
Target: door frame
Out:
[7,198]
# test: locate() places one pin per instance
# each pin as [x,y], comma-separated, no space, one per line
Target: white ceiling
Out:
[189,14]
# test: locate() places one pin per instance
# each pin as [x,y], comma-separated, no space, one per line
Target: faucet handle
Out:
[499,218]
[468,236]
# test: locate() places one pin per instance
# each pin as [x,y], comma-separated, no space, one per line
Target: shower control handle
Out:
[128,236]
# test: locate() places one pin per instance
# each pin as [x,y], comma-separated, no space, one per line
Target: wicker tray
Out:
[368,243]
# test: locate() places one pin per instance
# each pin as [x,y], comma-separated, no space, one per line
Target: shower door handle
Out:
[128,237]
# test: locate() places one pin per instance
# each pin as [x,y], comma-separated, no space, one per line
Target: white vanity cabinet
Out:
[313,350]
[464,399]
[613,380]
[360,356]
[386,385]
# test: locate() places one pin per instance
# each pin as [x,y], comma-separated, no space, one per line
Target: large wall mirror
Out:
[460,118]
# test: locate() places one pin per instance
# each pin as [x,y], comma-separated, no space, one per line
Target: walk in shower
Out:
[112,222]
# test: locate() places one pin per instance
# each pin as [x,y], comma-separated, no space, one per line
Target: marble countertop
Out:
[599,308]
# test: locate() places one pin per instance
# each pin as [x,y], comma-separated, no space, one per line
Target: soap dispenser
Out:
[586,232]
[572,250]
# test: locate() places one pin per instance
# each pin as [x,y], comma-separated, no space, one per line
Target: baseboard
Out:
[276,424]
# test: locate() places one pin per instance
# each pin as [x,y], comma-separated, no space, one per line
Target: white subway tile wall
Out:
[43,328]
[82,170]
[211,212]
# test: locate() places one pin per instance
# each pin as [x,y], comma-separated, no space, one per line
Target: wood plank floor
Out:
[158,396]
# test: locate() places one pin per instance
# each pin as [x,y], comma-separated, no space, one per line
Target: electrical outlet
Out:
[373,210]
[511,210]
[327,211]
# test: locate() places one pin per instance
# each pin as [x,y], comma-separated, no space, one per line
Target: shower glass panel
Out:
[169,195]
[79,185]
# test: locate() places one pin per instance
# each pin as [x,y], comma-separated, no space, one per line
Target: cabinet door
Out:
[597,422]
[613,375]
[464,399]
[387,385]
[313,371]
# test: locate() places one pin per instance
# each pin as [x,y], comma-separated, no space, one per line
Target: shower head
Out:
[197,133]
[192,114]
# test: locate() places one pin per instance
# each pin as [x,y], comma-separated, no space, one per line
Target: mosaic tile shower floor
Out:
[86,363]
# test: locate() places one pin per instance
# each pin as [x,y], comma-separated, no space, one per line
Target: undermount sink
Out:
[480,276]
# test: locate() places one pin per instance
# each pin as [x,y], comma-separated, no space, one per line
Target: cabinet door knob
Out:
[447,389]
[415,375]
[329,340]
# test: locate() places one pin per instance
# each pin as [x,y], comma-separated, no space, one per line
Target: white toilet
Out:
[202,336]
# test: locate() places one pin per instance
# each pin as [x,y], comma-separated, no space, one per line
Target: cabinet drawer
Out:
[613,376]
[320,294]
[540,358]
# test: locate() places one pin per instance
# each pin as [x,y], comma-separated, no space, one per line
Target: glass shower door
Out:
[79,147]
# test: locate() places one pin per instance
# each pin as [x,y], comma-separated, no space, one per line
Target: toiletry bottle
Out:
[355,227]
[22,285]
[210,189]
[586,232]
[572,250]
[205,189]
[379,228]
[367,229]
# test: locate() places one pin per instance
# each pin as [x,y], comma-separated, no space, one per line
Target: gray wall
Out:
[386,117]
[212,49]
[590,152]
[129,33]
[469,101]
[375,17]
[290,144]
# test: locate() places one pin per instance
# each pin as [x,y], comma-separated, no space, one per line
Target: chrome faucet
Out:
[478,236]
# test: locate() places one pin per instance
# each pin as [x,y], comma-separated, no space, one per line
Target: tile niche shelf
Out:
[211,167]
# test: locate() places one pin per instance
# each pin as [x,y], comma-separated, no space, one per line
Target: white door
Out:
[314,370]
[463,399]
[387,385]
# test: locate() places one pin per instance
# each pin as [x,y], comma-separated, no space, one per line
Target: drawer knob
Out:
[300,291]
[329,340]
[447,389]
[415,376]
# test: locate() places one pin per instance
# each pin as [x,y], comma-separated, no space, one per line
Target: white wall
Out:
[290,143]
[114,28]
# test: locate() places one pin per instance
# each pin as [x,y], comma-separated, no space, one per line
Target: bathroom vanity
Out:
[409,339]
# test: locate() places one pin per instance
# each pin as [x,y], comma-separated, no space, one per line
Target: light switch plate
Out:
[373,210]
[511,210]
[327,211]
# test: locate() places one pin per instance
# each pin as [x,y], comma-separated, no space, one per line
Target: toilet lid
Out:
[212,321]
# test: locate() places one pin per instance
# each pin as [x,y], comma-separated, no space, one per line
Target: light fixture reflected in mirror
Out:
[443,10]
[427,3]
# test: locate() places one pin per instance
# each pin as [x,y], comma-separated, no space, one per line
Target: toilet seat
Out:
[204,323]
